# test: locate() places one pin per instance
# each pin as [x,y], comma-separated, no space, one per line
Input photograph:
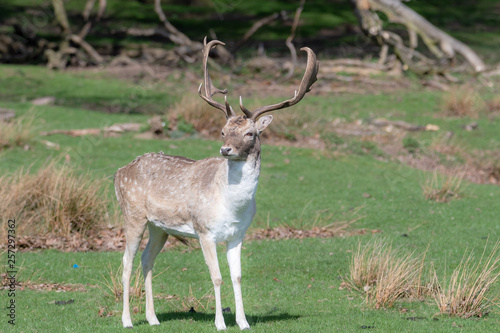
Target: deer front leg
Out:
[209,249]
[234,260]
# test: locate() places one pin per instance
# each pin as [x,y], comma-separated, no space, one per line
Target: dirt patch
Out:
[106,239]
[113,238]
[287,232]
[393,138]
[57,287]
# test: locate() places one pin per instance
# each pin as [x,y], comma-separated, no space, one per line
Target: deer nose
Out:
[225,151]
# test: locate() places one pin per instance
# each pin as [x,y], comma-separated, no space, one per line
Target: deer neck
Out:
[243,175]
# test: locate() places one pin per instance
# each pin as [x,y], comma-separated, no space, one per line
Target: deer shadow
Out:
[229,318]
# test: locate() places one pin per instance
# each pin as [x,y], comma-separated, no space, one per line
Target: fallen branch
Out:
[290,38]
[438,42]
[88,48]
[116,128]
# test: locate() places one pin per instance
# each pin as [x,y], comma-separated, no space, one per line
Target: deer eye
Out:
[222,133]
[249,134]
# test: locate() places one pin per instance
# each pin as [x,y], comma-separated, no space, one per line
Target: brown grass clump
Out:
[462,102]
[291,122]
[494,104]
[111,286]
[111,283]
[191,302]
[24,277]
[53,200]
[385,274]
[467,293]
[205,119]
[17,133]
[442,189]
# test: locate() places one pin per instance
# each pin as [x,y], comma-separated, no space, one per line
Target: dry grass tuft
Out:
[291,122]
[385,274]
[53,200]
[186,303]
[208,121]
[24,276]
[468,292]
[493,104]
[17,133]
[442,188]
[462,102]
[111,283]
[193,110]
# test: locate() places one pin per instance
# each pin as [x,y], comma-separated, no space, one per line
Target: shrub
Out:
[411,144]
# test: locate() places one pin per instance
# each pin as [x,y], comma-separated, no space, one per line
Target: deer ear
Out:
[263,122]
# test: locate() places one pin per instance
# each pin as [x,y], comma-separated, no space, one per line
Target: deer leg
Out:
[209,249]
[234,260]
[133,236]
[157,239]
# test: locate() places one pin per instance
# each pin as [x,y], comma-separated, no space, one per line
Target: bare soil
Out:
[112,238]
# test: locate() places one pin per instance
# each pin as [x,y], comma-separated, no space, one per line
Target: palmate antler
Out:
[309,78]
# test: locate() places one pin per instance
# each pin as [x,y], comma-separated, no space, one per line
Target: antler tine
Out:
[210,89]
[305,86]
[247,112]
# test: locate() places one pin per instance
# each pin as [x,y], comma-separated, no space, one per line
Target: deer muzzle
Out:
[226,151]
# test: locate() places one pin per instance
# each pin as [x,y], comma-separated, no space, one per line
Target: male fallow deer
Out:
[211,199]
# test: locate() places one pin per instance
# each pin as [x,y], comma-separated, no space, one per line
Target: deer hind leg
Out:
[234,261]
[157,238]
[209,249]
[133,235]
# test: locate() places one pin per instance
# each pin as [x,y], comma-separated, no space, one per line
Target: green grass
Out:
[89,90]
[297,185]
[288,286]
[306,297]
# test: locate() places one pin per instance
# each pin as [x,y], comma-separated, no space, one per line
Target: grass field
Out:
[289,285]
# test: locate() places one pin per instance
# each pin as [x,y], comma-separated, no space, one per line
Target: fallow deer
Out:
[212,199]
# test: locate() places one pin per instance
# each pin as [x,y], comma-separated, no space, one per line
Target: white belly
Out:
[185,230]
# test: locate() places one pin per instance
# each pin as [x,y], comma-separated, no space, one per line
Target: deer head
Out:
[241,133]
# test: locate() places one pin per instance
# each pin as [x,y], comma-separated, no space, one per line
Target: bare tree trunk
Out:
[442,45]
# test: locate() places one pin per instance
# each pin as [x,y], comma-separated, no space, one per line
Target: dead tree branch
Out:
[440,44]
[61,17]
[290,38]
[257,25]
[188,49]
[59,58]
